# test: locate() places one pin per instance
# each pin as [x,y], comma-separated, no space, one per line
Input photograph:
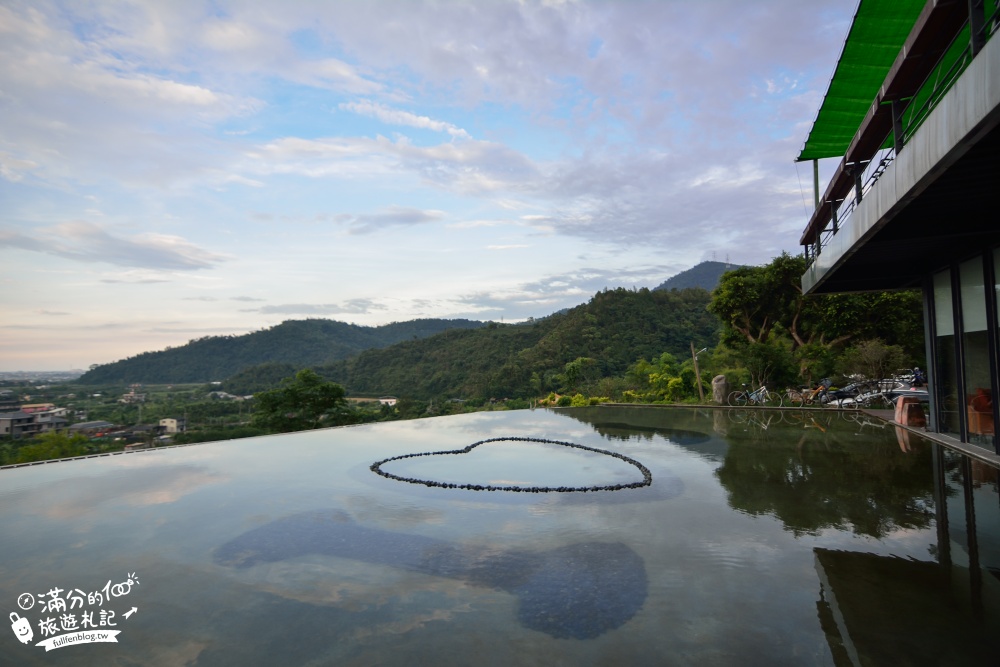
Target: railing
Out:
[938,82]
[872,171]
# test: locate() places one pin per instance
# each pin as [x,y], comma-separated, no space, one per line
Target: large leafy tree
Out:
[750,302]
[305,401]
[759,304]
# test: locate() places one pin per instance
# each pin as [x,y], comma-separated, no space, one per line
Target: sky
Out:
[174,170]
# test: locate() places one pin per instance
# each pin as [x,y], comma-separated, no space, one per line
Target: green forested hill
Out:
[295,342]
[615,328]
[705,275]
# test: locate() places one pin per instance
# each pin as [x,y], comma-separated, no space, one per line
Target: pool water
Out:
[763,538]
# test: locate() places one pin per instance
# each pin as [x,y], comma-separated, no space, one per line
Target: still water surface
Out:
[764,538]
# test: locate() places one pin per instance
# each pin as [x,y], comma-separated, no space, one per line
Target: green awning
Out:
[877,34]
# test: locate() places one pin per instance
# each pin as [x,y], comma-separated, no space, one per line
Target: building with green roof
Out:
[913,115]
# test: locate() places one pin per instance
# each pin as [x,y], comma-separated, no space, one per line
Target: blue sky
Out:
[175,170]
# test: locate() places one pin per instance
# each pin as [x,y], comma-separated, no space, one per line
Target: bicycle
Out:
[876,400]
[846,397]
[800,398]
[760,397]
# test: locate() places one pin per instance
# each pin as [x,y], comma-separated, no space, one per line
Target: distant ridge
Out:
[603,336]
[299,343]
[705,275]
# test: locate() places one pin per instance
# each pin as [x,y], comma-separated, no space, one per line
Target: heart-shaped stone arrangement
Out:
[647,477]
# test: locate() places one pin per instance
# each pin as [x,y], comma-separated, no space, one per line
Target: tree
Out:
[760,304]
[578,371]
[873,359]
[754,301]
[664,379]
[53,445]
[769,363]
[305,401]
[750,302]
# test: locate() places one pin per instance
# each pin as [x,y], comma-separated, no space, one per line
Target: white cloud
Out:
[223,35]
[557,291]
[350,307]
[544,135]
[330,73]
[392,216]
[398,117]
[87,242]
[12,168]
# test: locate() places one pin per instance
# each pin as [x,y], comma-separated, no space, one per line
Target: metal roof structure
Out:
[912,194]
[877,34]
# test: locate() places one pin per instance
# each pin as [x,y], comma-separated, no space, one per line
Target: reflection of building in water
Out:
[912,116]
[887,610]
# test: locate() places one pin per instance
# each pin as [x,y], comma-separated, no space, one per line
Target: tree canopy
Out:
[53,445]
[754,302]
[303,402]
[769,323]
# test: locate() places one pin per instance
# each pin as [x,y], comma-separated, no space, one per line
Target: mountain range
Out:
[299,343]
[439,356]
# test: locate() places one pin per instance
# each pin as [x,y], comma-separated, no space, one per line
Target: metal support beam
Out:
[816,182]
[977,24]
[857,171]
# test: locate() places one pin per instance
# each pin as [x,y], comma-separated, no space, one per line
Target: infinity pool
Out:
[752,538]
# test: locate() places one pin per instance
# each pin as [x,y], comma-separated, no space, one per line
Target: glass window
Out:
[996,288]
[945,371]
[976,353]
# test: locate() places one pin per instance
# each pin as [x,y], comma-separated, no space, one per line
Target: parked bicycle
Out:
[760,397]
[876,398]
[844,397]
[800,398]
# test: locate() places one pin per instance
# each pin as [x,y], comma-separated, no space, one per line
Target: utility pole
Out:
[697,374]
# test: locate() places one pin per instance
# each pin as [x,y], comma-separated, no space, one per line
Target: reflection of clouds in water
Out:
[720,581]
[893,543]
[535,423]
[351,584]
[578,590]
[739,554]
[665,486]
[134,486]
[414,622]
[370,510]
